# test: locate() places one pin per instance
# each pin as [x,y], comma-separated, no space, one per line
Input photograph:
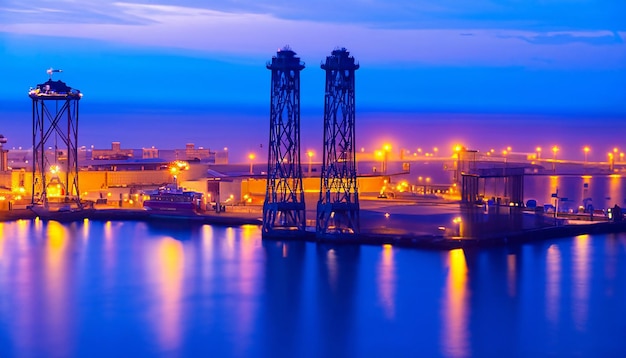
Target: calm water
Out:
[132,289]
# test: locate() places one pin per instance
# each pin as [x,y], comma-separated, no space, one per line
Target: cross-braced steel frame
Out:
[284,207]
[338,205]
[55,144]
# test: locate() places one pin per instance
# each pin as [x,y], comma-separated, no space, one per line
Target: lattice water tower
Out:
[284,207]
[55,143]
[338,205]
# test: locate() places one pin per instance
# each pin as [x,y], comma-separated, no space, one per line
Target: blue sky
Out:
[498,56]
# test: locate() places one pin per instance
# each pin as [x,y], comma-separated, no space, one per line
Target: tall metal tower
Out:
[284,208]
[338,205]
[55,143]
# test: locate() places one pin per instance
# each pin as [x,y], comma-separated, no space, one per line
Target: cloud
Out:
[251,34]
[563,38]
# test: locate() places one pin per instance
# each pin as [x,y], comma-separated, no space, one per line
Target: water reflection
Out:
[600,191]
[455,310]
[581,268]
[386,282]
[283,308]
[1,239]
[57,296]
[215,292]
[511,274]
[170,263]
[553,283]
[338,272]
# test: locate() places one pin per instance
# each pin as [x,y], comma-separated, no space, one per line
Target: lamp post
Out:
[538,149]
[174,171]
[611,161]
[3,158]
[251,156]
[386,150]
[310,155]
[586,150]
[555,149]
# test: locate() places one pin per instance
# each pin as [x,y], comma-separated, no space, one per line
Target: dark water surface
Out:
[93,288]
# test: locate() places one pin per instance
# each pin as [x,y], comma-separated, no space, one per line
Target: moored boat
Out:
[173,201]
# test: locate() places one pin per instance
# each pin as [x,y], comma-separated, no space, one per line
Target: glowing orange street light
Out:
[586,149]
[251,156]
[310,154]
[387,149]
[538,149]
[554,150]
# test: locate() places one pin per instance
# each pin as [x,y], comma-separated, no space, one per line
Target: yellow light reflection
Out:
[1,239]
[511,274]
[85,229]
[615,190]
[108,231]
[553,283]
[455,335]
[582,253]
[386,280]
[56,293]
[331,263]
[207,250]
[171,264]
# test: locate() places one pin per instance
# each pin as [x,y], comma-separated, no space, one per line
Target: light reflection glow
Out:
[553,283]
[511,274]
[455,334]
[331,263]
[581,267]
[171,264]
[386,280]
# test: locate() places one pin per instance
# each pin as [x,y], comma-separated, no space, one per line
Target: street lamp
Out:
[554,150]
[310,154]
[538,149]
[611,161]
[174,171]
[251,156]
[386,150]
[586,149]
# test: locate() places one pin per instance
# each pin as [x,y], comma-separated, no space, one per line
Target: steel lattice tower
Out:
[55,143]
[284,208]
[338,205]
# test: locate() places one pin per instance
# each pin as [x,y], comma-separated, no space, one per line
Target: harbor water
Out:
[124,288]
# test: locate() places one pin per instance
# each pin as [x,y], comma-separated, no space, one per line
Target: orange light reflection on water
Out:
[553,283]
[171,264]
[1,239]
[511,274]
[333,269]
[455,334]
[581,267]
[246,284]
[57,297]
[386,280]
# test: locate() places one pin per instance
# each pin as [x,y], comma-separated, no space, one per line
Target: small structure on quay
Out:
[55,143]
[284,206]
[338,205]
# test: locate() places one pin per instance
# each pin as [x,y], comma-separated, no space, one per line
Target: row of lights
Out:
[386,148]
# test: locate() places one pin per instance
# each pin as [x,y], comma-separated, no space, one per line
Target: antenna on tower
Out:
[51,70]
